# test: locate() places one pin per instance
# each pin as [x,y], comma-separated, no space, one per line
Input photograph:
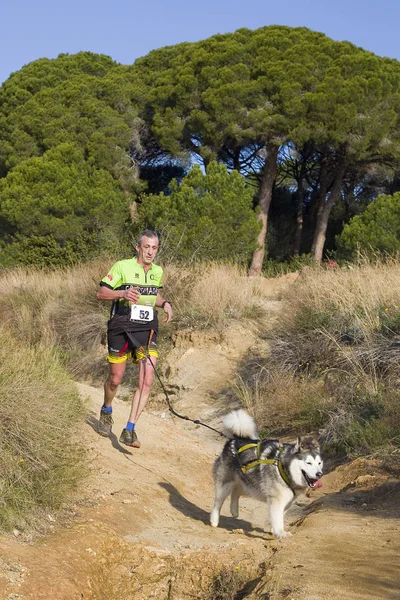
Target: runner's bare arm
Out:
[166,306]
[106,293]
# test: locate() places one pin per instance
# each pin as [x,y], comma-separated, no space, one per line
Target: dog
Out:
[269,471]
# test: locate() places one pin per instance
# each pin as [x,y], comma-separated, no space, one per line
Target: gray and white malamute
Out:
[272,472]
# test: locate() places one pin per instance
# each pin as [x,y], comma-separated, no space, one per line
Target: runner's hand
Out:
[168,311]
[132,294]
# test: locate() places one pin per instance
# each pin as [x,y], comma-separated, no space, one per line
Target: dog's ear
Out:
[309,444]
[297,446]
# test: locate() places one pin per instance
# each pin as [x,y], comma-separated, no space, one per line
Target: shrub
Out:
[376,229]
[58,210]
[206,217]
[57,309]
[41,457]
[211,294]
[333,364]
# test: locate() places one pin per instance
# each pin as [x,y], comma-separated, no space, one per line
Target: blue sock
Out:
[106,409]
[130,426]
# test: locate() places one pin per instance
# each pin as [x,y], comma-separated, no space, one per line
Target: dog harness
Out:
[264,461]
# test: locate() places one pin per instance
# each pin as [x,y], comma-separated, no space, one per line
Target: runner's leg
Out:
[141,395]
[115,374]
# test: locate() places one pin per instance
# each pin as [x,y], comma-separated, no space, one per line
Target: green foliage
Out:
[239,97]
[207,216]
[274,268]
[377,229]
[158,177]
[245,89]
[58,209]
[231,97]
[84,99]
[68,128]
[47,73]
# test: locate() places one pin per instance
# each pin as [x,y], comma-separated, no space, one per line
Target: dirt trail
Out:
[142,530]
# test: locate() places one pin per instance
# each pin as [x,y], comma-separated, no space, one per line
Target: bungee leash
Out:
[170,407]
[173,411]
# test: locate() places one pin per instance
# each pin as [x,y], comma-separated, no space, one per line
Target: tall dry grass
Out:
[60,309]
[57,309]
[346,319]
[210,295]
[366,295]
[49,320]
[334,365]
[52,320]
[42,459]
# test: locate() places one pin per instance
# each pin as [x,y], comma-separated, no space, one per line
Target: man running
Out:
[133,287]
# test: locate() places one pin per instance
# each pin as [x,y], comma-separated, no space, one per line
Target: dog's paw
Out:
[282,534]
[213,523]
[214,520]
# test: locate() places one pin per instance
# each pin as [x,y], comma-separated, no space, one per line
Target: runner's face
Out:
[147,250]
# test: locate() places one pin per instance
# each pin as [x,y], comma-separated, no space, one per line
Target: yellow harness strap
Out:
[248,446]
[263,461]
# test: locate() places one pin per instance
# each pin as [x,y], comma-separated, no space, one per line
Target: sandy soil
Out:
[141,531]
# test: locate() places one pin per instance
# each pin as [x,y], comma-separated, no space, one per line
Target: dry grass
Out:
[334,365]
[209,295]
[41,457]
[361,295]
[281,404]
[57,309]
[52,319]
[228,584]
[347,319]
[60,309]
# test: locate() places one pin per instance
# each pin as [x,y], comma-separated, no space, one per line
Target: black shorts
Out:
[121,347]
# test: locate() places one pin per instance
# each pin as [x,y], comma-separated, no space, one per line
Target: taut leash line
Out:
[170,407]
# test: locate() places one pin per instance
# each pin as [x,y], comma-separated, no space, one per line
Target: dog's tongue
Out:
[317,484]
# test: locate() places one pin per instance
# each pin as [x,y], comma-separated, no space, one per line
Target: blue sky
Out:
[125,30]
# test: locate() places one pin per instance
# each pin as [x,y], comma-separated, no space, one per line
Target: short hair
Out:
[147,233]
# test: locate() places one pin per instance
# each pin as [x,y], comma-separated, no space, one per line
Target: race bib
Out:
[142,314]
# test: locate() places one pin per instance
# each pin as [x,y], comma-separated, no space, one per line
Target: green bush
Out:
[377,229]
[207,217]
[58,210]
[274,268]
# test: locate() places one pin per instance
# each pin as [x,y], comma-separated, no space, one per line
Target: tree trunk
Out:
[319,209]
[236,160]
[324,210]
[319,199]
[267,183]
[299,215]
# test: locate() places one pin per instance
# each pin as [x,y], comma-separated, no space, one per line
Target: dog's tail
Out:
[240,424]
